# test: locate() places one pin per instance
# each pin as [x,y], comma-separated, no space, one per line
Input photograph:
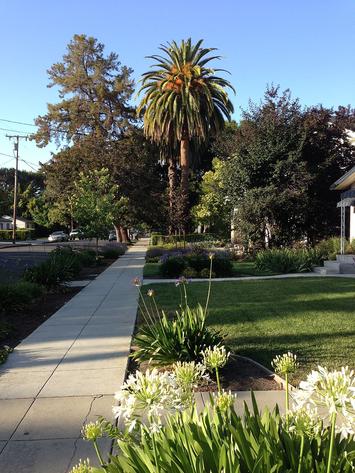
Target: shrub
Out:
[287,260]
[61,266]
[351,247]
[190,273]
[329,248]
[18,294]
[87,257]
[205,273]
[175,263]
[173,266]
[181,339]
[155,252]
[222,266]
[119,249]
[21,235]
[112,253]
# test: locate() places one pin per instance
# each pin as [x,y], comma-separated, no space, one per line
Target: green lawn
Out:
[240,269]
[312,317]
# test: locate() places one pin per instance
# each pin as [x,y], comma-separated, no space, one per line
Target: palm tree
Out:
[184,100]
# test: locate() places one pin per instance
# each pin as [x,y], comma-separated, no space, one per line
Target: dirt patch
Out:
[238,375]
[22,322]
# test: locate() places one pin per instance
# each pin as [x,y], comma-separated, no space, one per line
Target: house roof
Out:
[7,218]
[345,181]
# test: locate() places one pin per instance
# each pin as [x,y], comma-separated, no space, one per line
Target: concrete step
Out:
[320,270]
[347,259]
[332,266]
[346,268]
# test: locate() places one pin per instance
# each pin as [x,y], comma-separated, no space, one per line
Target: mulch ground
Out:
[238,375]
[23,321]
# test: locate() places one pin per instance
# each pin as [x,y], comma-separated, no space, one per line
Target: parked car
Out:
[76,234]
[58,236]
[112,236]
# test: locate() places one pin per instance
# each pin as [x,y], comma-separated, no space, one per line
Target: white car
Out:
[76,234]
[58,236]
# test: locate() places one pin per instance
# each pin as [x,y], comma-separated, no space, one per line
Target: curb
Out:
[280,381]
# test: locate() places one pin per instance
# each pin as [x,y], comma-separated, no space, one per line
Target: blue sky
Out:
[304,45]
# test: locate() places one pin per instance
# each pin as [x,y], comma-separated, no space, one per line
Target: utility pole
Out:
[14,213]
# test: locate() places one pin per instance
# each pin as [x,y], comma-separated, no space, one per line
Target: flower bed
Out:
[160,429]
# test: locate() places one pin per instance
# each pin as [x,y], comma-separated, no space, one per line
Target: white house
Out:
[346,184]
[6,223]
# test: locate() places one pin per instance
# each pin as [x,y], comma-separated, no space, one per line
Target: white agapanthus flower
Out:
[333,390]
[188,375]
[285,364]
[224,401]
[82,467]
[304,421]
[149,395]
[215,357]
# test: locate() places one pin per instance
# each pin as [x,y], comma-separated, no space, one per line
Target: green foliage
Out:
[62,265]
[96,204]
[220,441]
[112,253]
[183,95]
[4,353]
[181,339]
[213,210]
[94,89]
[19,294]
[205,273]
[276,168]
[87,257]
[173,266]
[21,235]
[288,260]
[190,273]
[329,248]
[157,239]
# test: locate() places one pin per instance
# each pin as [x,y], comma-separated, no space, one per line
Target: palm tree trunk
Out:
[185,169]
[172,192]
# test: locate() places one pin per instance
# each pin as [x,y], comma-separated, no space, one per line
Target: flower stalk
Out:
[331,442]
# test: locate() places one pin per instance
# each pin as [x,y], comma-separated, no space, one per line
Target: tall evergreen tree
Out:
[94,92]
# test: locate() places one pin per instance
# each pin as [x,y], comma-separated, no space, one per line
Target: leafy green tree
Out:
[134,167]
[96,203]
[213,212]
[184,100]
[278,165]
[94,90]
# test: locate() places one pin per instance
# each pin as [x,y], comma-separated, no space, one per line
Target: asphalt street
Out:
[15,259]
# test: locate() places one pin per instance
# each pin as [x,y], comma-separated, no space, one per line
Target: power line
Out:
[14,131]
[6,162]
[28,164]
[8,155]
[17,123]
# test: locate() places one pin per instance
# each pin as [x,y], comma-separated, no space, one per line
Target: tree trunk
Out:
[118,233]
[185,169]
[124,233]
[172,192]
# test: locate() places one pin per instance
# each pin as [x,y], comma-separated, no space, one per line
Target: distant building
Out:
[6,223]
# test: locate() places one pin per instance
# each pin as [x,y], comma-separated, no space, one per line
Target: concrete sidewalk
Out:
[66,372]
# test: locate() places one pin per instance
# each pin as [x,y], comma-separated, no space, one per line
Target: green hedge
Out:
[21,235]
[159,239]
